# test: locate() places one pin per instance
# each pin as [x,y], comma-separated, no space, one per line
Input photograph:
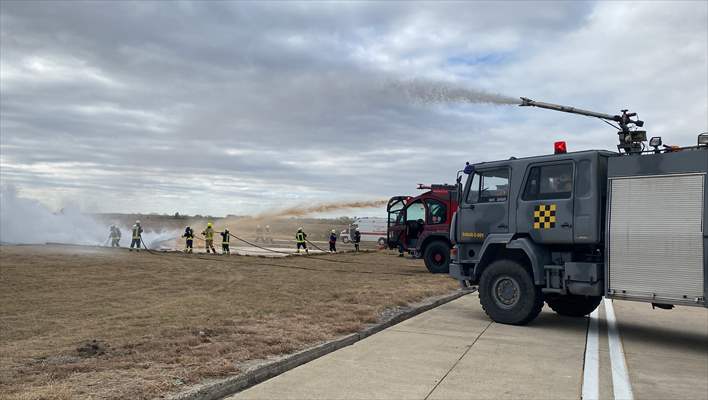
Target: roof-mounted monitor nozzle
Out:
[631,140]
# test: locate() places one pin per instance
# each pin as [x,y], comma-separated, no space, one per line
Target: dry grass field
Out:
[85,322]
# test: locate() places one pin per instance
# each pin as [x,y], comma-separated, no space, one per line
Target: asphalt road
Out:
[456,352]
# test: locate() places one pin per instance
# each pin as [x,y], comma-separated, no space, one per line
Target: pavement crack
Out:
[458,360]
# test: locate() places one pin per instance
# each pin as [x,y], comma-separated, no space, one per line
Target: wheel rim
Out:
[506,292]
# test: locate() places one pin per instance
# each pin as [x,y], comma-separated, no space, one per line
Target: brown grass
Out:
[80,322]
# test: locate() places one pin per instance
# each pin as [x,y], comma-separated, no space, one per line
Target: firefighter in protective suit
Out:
[333,241]
[137,236]
[208,234]
[301,238]
[357,239]
[225,235]
[115,236]
[189,239]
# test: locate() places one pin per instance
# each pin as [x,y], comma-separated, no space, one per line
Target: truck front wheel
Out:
[437,257]
[574,305]
[508,295]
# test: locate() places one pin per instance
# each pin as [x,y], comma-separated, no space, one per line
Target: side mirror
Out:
[655,141]
[703,139]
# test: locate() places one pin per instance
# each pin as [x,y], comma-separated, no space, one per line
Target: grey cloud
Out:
[216,107]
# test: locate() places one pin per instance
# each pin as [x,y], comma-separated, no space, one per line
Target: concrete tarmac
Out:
[456,352]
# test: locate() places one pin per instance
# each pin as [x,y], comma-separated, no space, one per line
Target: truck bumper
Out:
[457,272]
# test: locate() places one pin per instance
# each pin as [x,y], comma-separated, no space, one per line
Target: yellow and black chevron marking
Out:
[544,216]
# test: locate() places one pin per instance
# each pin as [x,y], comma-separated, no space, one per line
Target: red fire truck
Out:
[420,225]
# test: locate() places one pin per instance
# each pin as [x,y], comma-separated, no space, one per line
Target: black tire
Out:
[382,241]
[346,240]
[437,257]
[508,295]
[574,305]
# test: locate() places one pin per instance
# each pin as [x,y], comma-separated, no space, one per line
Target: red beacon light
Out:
[559,147]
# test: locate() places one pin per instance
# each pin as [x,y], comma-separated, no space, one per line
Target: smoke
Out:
[27,221]
[321,208]
[429,91]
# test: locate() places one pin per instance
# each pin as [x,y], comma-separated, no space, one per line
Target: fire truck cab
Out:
[420,225]
[569,228]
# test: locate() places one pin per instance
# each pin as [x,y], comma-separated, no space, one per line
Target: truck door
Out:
[545,208]
[415,222]
[485,208]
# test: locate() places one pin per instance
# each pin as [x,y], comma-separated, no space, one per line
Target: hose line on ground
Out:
[146,247]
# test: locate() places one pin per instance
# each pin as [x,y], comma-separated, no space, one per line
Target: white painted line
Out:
[620,376]
[591,364]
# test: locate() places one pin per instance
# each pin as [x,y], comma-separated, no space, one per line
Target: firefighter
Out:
[357,239]
[333,241]
[259,234]
[137,236]
[189,239]
[225,235]
[268,236]
[208,234]
[115,236]
[300,238]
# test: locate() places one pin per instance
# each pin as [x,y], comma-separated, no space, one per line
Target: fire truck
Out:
[571,227]
[420,225]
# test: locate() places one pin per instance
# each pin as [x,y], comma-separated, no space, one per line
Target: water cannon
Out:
[631,140]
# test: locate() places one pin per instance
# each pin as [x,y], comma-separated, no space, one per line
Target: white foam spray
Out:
[430,91]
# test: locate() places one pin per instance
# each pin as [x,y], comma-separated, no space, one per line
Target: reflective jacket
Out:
[188,233]
[332,238]
[300,237]
[208,233]
[137,231]
[225,236]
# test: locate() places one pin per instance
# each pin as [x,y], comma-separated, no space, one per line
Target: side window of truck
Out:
[437,211]
[549,182]
[495,186]
[415,211]
[489,186]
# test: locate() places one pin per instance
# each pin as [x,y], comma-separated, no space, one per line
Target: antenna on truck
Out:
[631,140]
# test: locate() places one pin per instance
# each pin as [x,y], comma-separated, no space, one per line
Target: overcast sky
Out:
[232,108]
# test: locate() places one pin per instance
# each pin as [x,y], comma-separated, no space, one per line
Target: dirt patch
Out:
[108,324]
[91,348]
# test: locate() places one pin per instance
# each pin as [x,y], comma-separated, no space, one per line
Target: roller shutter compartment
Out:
[655,231]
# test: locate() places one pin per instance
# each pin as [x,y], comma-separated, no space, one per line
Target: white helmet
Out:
[137,222]
[299,229]
[333,231]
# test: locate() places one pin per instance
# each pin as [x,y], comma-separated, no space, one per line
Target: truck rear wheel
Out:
[573,305]
[508,295]
[437,257]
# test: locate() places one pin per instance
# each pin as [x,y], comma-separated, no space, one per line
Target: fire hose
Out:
[287,266]
[146,247]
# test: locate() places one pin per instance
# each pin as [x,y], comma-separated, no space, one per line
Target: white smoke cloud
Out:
[24,220]
[27,221]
